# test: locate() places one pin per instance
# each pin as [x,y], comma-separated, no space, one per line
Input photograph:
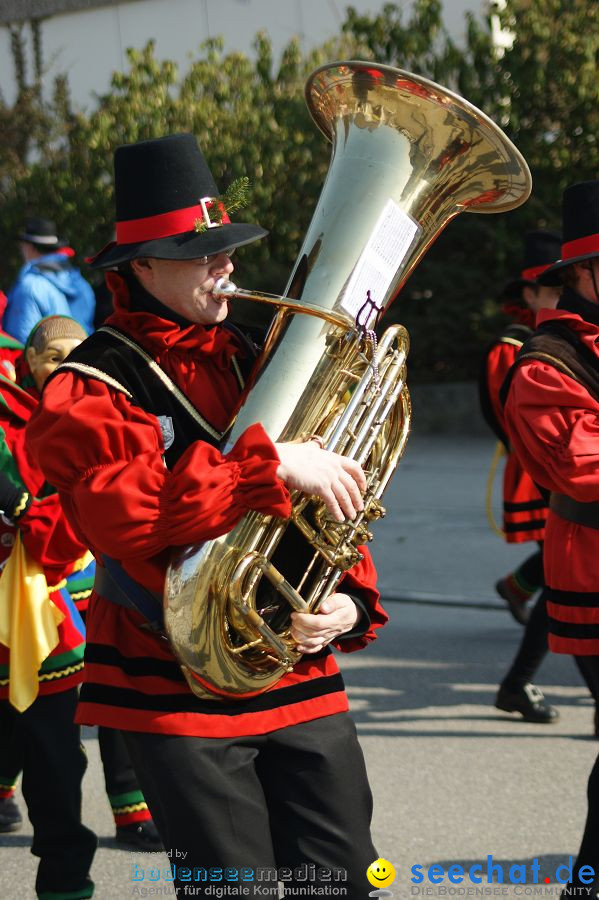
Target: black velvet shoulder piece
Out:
[112,357]
[561,347]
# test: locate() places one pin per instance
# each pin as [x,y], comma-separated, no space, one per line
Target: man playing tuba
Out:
[272,780]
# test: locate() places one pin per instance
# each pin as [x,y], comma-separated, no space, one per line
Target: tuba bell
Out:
[407,157]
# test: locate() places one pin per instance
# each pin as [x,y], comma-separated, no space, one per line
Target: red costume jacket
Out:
[48,539]
[553,423]
[107,462]
[10,349]
[524,510]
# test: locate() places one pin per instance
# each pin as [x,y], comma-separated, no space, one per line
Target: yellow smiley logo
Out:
[380,873]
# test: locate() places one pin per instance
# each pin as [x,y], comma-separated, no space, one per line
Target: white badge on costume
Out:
[168,430]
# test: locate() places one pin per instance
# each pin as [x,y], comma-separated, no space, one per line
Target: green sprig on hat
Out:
[235,197]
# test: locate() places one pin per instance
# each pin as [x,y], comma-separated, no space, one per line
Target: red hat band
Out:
[168,224]
[533,273]
[580,247]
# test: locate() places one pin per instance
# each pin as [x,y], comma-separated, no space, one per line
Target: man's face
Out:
[28,251]
[185,285]
[42,364]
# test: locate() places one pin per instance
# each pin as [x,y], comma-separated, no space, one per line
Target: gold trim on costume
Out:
[164,378]
[57,587]
[21,504]
[61,673]
[96,373]
[132,807]
[238,372]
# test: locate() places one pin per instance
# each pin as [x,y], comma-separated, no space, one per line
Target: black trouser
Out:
[295,797]
[533,650]
[47,741]
[533,647]
[119,775]
[531,570]
[588,854]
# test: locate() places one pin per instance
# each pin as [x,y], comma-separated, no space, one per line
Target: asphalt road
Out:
[454,780]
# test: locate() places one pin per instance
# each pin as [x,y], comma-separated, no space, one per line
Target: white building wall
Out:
[89,45]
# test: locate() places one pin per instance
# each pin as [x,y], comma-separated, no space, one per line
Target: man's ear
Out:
[143,272]
[140,265]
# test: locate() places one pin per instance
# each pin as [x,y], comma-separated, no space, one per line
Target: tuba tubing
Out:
[407,156]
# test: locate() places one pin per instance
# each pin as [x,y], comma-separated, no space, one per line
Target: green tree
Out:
[251,119]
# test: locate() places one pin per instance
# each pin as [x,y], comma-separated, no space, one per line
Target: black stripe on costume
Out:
[512,527]
[584,599]
[136,666]
[525,506]
[572,630]
[126,698]
[139,666]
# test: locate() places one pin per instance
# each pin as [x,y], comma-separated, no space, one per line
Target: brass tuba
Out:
[408,156]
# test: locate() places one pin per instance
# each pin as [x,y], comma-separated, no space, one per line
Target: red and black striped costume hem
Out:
[573,621]
[146,694]
[524,520]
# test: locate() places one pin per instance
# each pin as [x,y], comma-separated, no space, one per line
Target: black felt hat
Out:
[168,206]
[541,249]
[41,232]
[580,221]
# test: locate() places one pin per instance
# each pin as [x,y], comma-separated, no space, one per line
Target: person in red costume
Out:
[552,419]
[38,727]
[524,507]
[47,346]
[274,780]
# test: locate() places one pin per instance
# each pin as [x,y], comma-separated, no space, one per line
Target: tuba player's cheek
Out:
[407,156]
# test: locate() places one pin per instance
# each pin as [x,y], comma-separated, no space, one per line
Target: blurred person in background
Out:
[552,420]
[524,507]
[47,284]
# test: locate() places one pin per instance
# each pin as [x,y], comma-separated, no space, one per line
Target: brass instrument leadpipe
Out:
[225,288]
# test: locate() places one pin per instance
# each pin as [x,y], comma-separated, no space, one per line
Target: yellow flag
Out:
[28,623]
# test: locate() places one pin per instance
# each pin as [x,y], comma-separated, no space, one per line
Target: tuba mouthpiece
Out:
[223,287]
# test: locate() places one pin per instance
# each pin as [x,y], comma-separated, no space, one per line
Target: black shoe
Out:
[528,701]
[143,835]
[10,815]
[596,723]
[516,605]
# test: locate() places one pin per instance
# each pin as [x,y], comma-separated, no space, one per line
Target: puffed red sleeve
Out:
[105,456]
[360,582]
[553,423]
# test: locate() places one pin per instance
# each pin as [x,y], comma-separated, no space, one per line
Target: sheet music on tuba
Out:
[377,265]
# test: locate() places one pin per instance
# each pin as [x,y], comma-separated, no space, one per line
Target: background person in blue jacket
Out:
[47,284]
